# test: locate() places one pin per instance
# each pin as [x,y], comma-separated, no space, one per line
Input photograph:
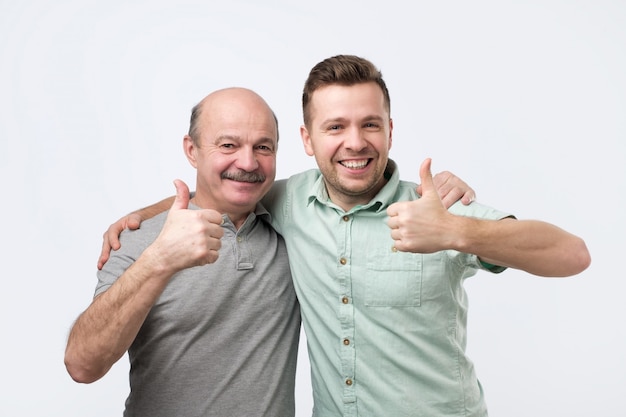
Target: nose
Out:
[246,160]
[355,139]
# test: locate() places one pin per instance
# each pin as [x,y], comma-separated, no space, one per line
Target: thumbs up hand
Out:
[423,225]
[189,237]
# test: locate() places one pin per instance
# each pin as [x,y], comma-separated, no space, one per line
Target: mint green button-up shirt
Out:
[386,330]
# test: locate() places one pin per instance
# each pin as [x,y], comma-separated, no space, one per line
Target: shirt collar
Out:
[259,211]
[380,201]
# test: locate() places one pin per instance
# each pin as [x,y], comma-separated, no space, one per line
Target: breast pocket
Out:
[394,279]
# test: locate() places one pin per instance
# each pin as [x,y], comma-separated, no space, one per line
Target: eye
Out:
[227,147]
[266,149]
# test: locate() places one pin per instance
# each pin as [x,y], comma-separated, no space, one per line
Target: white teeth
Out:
[354,164]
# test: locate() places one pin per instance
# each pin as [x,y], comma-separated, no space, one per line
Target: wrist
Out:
[155,261]
[461,232]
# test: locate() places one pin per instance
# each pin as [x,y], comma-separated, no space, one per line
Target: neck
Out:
[347,202]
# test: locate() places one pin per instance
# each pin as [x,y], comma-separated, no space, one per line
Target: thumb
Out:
[181,201]
[427,186]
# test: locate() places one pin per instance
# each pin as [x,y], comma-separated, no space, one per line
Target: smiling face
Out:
[349,134]
[234,151]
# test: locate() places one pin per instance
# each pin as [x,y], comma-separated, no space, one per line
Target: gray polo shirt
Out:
[222,339]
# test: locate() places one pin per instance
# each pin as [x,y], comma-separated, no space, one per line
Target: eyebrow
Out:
[343,119]
[216,140]
[237,138]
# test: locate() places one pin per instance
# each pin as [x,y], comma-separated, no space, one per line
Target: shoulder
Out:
[407,187]
[146,234]
[283,190]
[401,191]
[305,178]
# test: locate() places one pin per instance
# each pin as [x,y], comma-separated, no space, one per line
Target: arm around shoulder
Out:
[132,221]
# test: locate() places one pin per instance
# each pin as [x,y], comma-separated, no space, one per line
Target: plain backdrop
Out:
[526,101]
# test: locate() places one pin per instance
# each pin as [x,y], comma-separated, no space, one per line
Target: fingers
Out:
[214,218]
[133,221]
[450,198]
[211,257]
[208,242]
[205,238]
[451,189]
[105,252]
[468,197]
[111,240]
[392,211]
[181,201]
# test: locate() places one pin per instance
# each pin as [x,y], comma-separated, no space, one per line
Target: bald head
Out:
[225,101]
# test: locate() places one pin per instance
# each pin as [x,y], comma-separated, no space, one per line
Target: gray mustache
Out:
[243,176]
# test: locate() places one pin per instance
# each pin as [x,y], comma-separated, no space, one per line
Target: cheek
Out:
[211,166]
[325,149]
[268,164]
[382,144]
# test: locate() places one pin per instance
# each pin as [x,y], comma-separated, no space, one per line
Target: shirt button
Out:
[343,261]
[346,342]
[346,218]
[345,300]
[239,239]
[394,249]
[348,382]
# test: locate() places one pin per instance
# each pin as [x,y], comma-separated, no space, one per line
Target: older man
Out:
[201,296]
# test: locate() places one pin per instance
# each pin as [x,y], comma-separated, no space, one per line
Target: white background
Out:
[526,101]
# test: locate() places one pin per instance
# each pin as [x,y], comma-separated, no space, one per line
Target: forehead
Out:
[238,119]
[364,98]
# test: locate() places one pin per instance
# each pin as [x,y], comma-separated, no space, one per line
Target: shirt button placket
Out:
[346,308]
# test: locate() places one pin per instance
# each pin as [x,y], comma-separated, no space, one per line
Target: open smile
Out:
[355,163]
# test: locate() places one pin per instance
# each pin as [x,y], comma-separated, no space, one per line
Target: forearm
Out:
[156,208]
[105,331]
[536,247]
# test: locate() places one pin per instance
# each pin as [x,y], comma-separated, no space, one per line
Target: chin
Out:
[246,200]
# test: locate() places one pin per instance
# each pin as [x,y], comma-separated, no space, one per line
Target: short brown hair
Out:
[344,70]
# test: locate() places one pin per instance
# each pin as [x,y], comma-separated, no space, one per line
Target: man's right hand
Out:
[189,237]
[132,221]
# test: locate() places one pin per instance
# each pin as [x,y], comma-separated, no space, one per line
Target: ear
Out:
[190,150]
[306,141]
[390,133]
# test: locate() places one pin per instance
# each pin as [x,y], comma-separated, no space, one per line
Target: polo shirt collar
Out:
[259,211]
